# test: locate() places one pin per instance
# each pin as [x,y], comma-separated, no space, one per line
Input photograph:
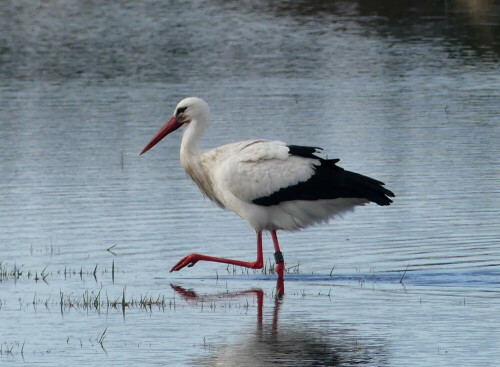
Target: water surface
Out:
[405,94]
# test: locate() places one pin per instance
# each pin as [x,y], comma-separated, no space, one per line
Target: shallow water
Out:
[408,95]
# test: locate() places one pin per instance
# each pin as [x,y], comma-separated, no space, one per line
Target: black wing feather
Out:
[302,151]
[328,182]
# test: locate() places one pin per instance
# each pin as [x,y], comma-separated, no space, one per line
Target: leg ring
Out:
[278,257]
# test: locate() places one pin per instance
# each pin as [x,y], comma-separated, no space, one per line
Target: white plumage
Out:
[242,172]
[272,185]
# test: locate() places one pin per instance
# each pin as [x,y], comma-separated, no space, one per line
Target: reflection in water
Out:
[286,345]
[468,24]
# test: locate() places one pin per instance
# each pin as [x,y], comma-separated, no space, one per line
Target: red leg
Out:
[280,264]
[191,259]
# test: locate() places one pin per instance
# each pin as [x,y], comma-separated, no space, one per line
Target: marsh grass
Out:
[16,273]
[97,301]
[100,302]
[13,273]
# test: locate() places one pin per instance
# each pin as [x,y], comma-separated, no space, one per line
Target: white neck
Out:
[192,163]
[189,144]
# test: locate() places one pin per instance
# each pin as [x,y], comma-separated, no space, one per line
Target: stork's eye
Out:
[180,110]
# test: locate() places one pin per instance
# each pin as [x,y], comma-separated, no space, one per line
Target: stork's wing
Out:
[259,168]
[268,172]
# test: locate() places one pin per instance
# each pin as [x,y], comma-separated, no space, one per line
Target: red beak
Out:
[171,125]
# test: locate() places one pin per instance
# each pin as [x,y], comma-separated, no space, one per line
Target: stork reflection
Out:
[295,344]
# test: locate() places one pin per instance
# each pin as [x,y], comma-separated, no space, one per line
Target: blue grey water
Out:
[407,93]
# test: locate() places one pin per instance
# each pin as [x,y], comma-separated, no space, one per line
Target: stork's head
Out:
[189,110]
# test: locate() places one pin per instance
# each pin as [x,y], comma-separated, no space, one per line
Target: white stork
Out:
[272,185]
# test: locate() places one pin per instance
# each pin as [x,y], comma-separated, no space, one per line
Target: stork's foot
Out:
[189,261]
